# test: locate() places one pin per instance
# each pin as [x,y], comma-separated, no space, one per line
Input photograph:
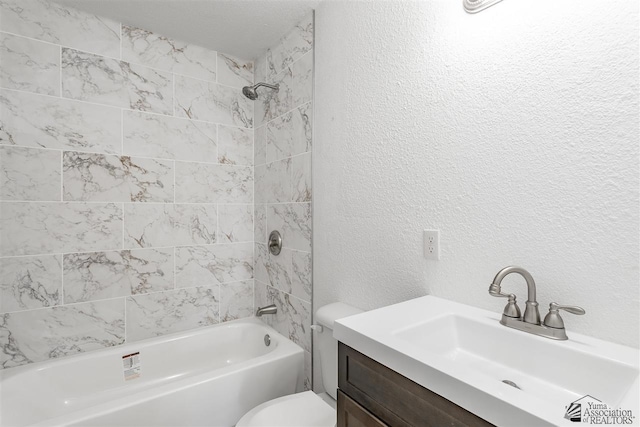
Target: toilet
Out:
[308,409]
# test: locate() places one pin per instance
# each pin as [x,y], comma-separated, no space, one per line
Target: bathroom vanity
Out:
[434,362]
[370,394]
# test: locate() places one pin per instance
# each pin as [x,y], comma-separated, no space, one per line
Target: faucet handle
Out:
[553,319]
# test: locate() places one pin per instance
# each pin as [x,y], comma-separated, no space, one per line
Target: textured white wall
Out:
[514,131]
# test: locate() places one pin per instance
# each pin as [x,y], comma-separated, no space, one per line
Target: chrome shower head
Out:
[252,93]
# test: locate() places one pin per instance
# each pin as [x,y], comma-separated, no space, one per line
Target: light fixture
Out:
[475,6]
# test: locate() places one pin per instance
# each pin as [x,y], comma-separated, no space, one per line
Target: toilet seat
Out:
[295,410]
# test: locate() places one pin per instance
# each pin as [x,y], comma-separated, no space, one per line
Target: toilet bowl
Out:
[308,409]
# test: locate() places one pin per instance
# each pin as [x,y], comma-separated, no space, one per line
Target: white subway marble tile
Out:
[260,74]
[271,103]
[43,121]
[301,275]
[260,223]
[28,228]
[302,80]
[233,71]
[273,182]
[214,264]
[235,223]
[167,312]
[158,225]
[30,282]
[103,275]
[29,174]
[211,102]
[207,183]
[293,319]
[37,335]
[289,134]
[236,300]
[293,220]
[153,135]
[99,177]
[301,178]
[274,270]
[108,81]
[48,21]
[292,46]
[235,145]
[29,65]
[260,146]
[151,49]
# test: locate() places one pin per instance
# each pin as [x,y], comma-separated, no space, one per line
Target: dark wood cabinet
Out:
[370,394]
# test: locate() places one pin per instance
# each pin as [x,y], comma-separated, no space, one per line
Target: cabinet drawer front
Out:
[395,399]
[350,414]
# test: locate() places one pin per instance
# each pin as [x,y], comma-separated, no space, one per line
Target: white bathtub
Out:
[207,377]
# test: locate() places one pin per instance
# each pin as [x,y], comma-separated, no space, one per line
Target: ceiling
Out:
[244,28]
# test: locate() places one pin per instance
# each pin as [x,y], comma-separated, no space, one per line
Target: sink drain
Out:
[511,383]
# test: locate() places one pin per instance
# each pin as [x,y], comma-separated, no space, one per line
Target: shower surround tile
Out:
[274,270]
[293,319]
[160,225]
[151,49]
[54,23]
[273,182]
[42,121]
[260,146]
[260,223]
[272,104]
[98,177]
[37,335]
[302,80]
[32,228]
[208,265]
[208,183]
[103,275]
[202,100]
[29,65]
[29,174]
[30,282]
[289,134]
[235,223]
[94,78]
[235,145]
[153,135]
[293,220]
[236,300]
[167,312]
[233,71]
[301,275]
[292,46]
[301,178]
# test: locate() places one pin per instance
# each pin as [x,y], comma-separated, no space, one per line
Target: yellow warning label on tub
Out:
[131,366]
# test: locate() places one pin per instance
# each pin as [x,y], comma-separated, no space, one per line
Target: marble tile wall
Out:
[126,184]
[283,195]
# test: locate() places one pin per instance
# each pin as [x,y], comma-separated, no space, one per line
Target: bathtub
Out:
[205,377]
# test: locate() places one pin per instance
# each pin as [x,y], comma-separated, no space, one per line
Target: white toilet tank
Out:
[327,345]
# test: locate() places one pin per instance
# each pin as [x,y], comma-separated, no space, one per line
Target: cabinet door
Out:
[350,414]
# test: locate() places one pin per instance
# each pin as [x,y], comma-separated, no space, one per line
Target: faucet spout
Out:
[531,313]
[269,309]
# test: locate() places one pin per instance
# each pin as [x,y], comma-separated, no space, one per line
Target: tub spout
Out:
[270,309]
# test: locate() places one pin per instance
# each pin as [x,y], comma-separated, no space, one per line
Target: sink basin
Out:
[503,375]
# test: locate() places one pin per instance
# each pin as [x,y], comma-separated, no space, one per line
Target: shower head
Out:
[252,93]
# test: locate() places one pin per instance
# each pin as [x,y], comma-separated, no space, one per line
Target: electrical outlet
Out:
[432,244]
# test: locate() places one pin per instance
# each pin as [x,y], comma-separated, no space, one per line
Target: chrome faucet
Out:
[552,327]
[269,309]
